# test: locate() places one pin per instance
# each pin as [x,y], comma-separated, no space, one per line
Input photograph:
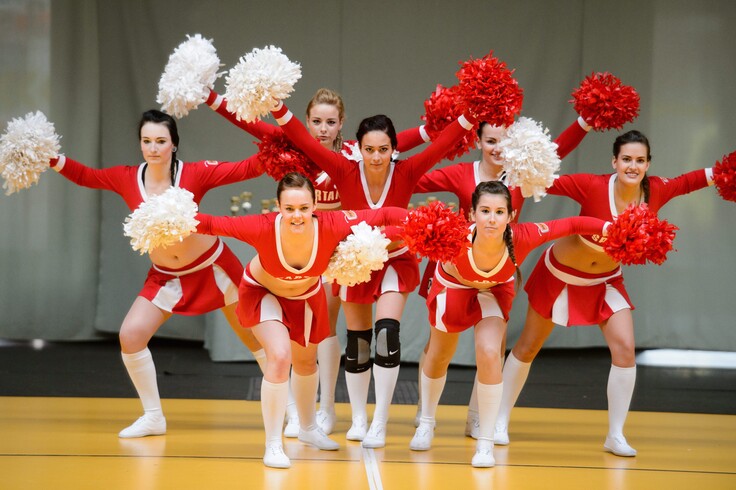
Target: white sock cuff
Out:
[490,390]
[516,362]
[136,356]
[623,371]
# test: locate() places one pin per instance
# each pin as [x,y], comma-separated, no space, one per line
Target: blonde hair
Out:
[329,97]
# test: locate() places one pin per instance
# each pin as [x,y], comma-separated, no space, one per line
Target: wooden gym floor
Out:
[62,406]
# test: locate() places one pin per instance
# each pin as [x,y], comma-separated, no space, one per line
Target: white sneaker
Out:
[326,420]
[375,437]
[292,427]
[483,457]
[618,446]
[146,425]
[358,430]
[275,457]
[422,440]
[472,425]
[317,438]
[501,435]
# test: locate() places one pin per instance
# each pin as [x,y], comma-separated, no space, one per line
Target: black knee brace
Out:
[388,343]
[358,351]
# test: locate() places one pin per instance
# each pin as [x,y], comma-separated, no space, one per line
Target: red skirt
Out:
[205,285]
[571,297]
[454,307]
[305,316]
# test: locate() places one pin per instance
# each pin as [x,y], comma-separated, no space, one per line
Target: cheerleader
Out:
[282,299]
[477,291]
[374,182]
[576,283]
[325,116]
[461,179]
[196,276]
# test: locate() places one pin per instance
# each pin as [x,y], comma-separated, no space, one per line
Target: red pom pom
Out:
[488,91]
[604,102]
[724,176]
[436,232]
[440,109]
[638,236]
[279,157]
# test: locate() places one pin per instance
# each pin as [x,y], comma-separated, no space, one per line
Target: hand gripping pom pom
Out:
[488,91]
[260,79]
[189,76]
[436,232]
[604,102]
[279,157]
[637,236]
[162,220]
[356,257]
[442,108]
[25,150]
[724,177]
[530,158]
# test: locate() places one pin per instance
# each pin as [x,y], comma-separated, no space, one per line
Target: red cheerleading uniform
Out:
[327,196]
[461,179]
[455,307]
[210,281]
[305,315]
[349,177]
[572,297]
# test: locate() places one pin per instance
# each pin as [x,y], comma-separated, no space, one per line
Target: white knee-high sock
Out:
[328,357]
[422,357]
[473,403]
[432,389]
[358,384]
[291,411]
[273,408]
[260,357]
[304,389]
[489,399]
[620,389]
[515,373]
[142,372]
[385,383]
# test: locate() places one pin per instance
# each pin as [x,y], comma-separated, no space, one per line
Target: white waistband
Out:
[203,265]
[398,251]
[591,244]
[575,280]
[310,292]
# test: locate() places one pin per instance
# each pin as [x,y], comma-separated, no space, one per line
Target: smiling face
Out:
[376,149]
[296,206]
[324,123]
[631,163]
[488,144]
[491,215]
[156,144]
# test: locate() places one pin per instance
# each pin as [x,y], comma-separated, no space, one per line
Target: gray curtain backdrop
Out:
[70,274]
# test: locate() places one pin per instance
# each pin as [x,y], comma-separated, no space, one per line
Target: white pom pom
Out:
[162,220]
[357,256]
[25,150]
[189,76]
[530,157]
[259,80]
[351,151]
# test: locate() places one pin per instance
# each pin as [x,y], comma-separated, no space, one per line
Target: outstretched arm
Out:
[259,129]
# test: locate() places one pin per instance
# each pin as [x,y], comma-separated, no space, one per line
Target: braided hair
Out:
[499,188]
[635,136]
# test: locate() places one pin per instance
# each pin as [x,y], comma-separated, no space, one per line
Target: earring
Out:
[174,149]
